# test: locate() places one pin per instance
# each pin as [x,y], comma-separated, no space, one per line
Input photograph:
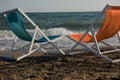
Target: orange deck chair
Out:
[110,27]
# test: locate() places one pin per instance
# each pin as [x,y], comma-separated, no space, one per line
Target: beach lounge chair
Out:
[14,19]
[110,27]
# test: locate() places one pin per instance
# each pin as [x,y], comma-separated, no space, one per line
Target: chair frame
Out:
[37,29]
[96,43]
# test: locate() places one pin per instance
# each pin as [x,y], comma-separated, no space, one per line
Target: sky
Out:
[56,5]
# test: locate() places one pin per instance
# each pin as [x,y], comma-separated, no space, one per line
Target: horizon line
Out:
[56,11]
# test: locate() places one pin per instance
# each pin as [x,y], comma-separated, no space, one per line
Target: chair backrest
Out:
[15,24]
[109,27]
[111,24]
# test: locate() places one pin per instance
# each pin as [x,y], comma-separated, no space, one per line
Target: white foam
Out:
[57,31]
[5,34]
[8,35]
[64,43]
[52,31]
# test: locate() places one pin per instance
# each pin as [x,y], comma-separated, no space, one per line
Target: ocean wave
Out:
[58,31]
[64,43]
[52,31]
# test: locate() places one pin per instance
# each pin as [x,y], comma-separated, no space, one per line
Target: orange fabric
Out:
[77,37]
[113,8]
[109,28]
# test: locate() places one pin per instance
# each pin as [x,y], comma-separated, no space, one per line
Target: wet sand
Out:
[59,67]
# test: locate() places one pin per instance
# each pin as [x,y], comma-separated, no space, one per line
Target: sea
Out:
[54,23]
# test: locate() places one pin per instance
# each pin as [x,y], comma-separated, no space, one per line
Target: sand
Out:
[59,67]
